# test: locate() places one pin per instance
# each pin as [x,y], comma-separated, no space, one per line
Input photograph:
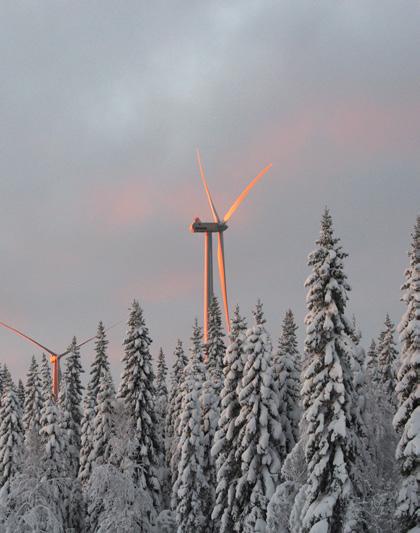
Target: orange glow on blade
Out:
[26,337]
[209,198]
[245,193]
[222,274]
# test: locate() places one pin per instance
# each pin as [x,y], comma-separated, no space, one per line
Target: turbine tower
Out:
[54,356]
[217,226]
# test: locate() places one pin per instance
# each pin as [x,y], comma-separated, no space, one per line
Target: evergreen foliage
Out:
[261,439]
[190,484]
[33,402]
[286,366]
[407,418]
[210,402]
[11,436]
[70,400]
[174,409]
[100,364]
[137,392]
[328,394]
[228,463]
[45,376]
[387,360]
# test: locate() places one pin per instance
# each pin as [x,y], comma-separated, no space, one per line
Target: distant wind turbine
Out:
[217,226]
[55,356]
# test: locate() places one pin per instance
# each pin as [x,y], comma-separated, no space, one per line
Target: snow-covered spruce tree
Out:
[261,439]
[174,408]
[33,403]
[45,376]
[70,400]
[371,362]
[328,423]
[161,394]
[407,418]
[286,367]
[21,393]
[7,379]
[137,392]
[228,463]
[103,421]
[58,468]
[161,413]
[196,352]
[89,403]
[11,437]
[190,485]
[214,350]
[387,360]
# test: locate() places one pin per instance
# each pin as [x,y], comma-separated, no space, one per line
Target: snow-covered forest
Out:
[244,434]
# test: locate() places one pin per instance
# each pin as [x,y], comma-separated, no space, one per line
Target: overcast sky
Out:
[102,105]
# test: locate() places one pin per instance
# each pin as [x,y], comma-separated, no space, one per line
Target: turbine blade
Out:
[90,339]
[222,274]
[209,198]
[245,193]
[30,339]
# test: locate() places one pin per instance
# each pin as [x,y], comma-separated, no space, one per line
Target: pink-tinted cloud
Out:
[162,287]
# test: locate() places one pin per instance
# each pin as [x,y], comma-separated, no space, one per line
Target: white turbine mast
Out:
[217,226]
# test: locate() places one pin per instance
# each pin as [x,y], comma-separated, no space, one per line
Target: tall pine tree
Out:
[100,363]
[11,436]
[33,402]
[328,395]
[286,365]
[137,392]
[190,485]
[387,360]
[174,409]
[210,401]
[261,439]
[70,399]
[407,418]
[228,462]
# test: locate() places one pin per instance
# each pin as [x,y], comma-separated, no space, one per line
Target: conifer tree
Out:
[387,360]
[11,436]
[102,424]
[7,379]
[137,392]
[228,463]
[21,393]
[371,364]
[33,402]
[190,484]
[174,404]
[286,366]
[161,392]
[174,408]
[210,401]
[261,437]
[45,375]
[328,395]
[99,364]
[407,418]
[196,365]
[58,468]
[70,399]
[161,413]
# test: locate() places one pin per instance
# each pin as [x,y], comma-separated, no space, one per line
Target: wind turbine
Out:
[55,356]
[217,226]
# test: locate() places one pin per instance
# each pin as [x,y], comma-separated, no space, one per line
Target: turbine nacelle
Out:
[207,227]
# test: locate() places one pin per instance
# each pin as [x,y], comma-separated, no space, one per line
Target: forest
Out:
[243,434]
